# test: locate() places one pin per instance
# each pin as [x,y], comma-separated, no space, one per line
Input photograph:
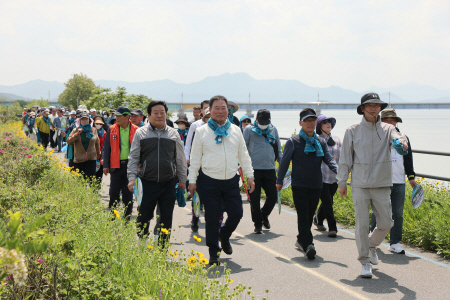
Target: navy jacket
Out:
[306,167]
[408,161]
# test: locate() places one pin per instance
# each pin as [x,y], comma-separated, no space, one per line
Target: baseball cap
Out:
[137,111]
[93,109]
[122,110]
[207,112]
[263,116]
[84,115]
[73,112]
[308,112]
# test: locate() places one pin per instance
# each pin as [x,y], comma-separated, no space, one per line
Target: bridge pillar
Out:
[181,112]
[249,112]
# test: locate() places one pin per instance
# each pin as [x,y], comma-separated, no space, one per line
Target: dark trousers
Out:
[305,200]
[265,179]
[59,140]
[44,139]
[52,142]
[119,182]
[213,192]
[86,168]
[163,194]
[325,210]
[99,175]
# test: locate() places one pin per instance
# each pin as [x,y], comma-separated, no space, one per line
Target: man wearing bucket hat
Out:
[329,187]
[307,151]
[366,153]
[44,125]
[232,108]
[183,128]
[187,151]
[401,166]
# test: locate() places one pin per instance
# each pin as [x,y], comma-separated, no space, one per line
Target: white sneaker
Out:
[397,248]
[373,256]
[366,271]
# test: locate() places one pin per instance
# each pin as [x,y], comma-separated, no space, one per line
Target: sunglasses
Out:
[246,121]
[326,121]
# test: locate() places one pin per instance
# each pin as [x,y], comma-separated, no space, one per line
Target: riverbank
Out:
[88,252]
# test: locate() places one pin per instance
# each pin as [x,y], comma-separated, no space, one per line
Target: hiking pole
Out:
[245,186]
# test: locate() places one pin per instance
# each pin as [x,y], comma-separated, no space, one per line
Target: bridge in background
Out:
[323,105]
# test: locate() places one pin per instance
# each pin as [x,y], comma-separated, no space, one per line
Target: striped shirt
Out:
[327,175]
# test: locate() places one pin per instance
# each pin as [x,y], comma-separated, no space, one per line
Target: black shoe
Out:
[194,225]
[226,246]
[311,252]
[266,222]
[214,260]
[258,230]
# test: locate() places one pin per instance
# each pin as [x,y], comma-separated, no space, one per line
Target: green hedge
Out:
[426,227]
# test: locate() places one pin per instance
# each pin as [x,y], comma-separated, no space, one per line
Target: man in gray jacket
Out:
[159,153]
[366,154]
[264,147]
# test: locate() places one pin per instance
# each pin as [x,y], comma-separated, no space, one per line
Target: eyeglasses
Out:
[246,121]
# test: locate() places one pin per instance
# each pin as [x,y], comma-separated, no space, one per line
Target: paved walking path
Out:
[271,262]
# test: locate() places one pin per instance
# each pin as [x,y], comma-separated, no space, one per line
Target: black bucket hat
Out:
[371,98]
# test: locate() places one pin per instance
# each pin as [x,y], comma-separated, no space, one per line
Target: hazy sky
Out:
[352,44]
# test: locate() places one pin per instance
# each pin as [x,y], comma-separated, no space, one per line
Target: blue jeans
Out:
[397,202]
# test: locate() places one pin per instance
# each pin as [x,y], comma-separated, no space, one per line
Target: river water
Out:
[426,130]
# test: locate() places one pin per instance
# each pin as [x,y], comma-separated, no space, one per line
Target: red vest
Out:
[114,140]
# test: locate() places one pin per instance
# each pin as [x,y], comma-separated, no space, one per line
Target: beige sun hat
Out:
[390,113]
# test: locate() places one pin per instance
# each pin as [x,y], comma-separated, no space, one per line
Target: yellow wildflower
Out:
[116,213]
[150,247]
[165,231]
[204,260]
[230,280]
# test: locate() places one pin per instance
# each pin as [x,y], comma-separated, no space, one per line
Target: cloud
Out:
[321,43]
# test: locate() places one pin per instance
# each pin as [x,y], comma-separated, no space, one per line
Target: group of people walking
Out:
[207,155]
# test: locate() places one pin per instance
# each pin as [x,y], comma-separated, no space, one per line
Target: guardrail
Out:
[420,152]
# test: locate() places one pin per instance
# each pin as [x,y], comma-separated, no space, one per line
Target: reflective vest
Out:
[114,139]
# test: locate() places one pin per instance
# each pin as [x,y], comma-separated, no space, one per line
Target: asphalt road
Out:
[271,262]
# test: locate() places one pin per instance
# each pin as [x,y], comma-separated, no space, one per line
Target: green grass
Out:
[91,253]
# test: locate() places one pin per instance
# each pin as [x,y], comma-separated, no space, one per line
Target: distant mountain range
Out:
[235,87]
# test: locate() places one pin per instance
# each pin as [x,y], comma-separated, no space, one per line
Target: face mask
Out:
[105,116]
[331,142]
[182,127]
[98,127]
[263,127]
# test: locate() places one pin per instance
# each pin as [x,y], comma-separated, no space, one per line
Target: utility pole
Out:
[77,102]
[248,98]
